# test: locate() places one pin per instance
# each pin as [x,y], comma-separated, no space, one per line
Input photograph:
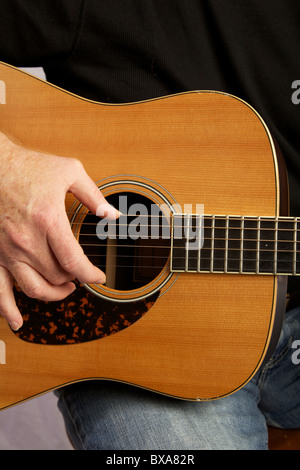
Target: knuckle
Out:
[15,236]
[60,279]
[71,264]
[76,165]
[34,291]
[44,217]
[6,283]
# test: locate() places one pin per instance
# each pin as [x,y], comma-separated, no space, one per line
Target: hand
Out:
[37,246]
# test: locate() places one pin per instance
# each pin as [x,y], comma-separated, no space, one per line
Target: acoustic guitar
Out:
[196,265]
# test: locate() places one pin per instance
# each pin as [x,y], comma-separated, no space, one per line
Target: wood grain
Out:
[207,335]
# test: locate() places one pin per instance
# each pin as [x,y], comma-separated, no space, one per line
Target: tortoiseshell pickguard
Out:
[79,318]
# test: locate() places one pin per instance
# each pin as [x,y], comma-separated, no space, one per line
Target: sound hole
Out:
[133,250]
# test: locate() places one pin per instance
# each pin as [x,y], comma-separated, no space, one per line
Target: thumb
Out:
[8,307]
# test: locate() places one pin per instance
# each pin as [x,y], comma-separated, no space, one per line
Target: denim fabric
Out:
[111,415]
[279,381]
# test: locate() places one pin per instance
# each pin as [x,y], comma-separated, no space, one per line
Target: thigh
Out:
[279,380]
[111,415]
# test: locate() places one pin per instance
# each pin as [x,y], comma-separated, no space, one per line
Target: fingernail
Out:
[108,211]
[15,326]
[102,280]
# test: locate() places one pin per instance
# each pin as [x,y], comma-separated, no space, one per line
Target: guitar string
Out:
[193,229]
[236,269]
[177,258]
[255,221]
[220,249]
[234,218]
[166,224]
[225,239]
[261,249]
[216,260]
[116,222]
[191,260]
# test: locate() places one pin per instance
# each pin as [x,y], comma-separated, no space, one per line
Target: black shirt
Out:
[129,50]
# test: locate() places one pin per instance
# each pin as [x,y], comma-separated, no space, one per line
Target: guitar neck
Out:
[235,244]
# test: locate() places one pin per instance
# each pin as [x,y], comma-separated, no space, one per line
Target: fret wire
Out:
[276,246]
[295,247]
[242,245]
[199,249]
[198,260]
[172,247]
[212,244]
[187,245]
[226,245]
[258,245]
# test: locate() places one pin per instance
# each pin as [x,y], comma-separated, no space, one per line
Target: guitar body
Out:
[194,336]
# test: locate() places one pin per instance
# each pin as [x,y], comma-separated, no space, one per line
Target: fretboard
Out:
[235,244]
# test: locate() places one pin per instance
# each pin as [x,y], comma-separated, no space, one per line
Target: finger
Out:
[84,189]
[8,307]
[70,255]
[33,249]
[47,265]
[36,286]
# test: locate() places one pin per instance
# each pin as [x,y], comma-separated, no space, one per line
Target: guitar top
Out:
[197,264]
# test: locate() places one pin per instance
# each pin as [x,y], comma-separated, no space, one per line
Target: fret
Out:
[187,220]
[199,250]
[198,255]
[234,254]
[187,239]
[226,244]
[207,248]
[178,244]
[297,251]
[219,253]
[285,244]
[250,245]
[266,245]
[295,247]
[195,241]
[212,244]
[258,245]
[242,244]
[276,245]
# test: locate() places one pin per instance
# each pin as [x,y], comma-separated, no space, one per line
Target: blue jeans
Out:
[111,415]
